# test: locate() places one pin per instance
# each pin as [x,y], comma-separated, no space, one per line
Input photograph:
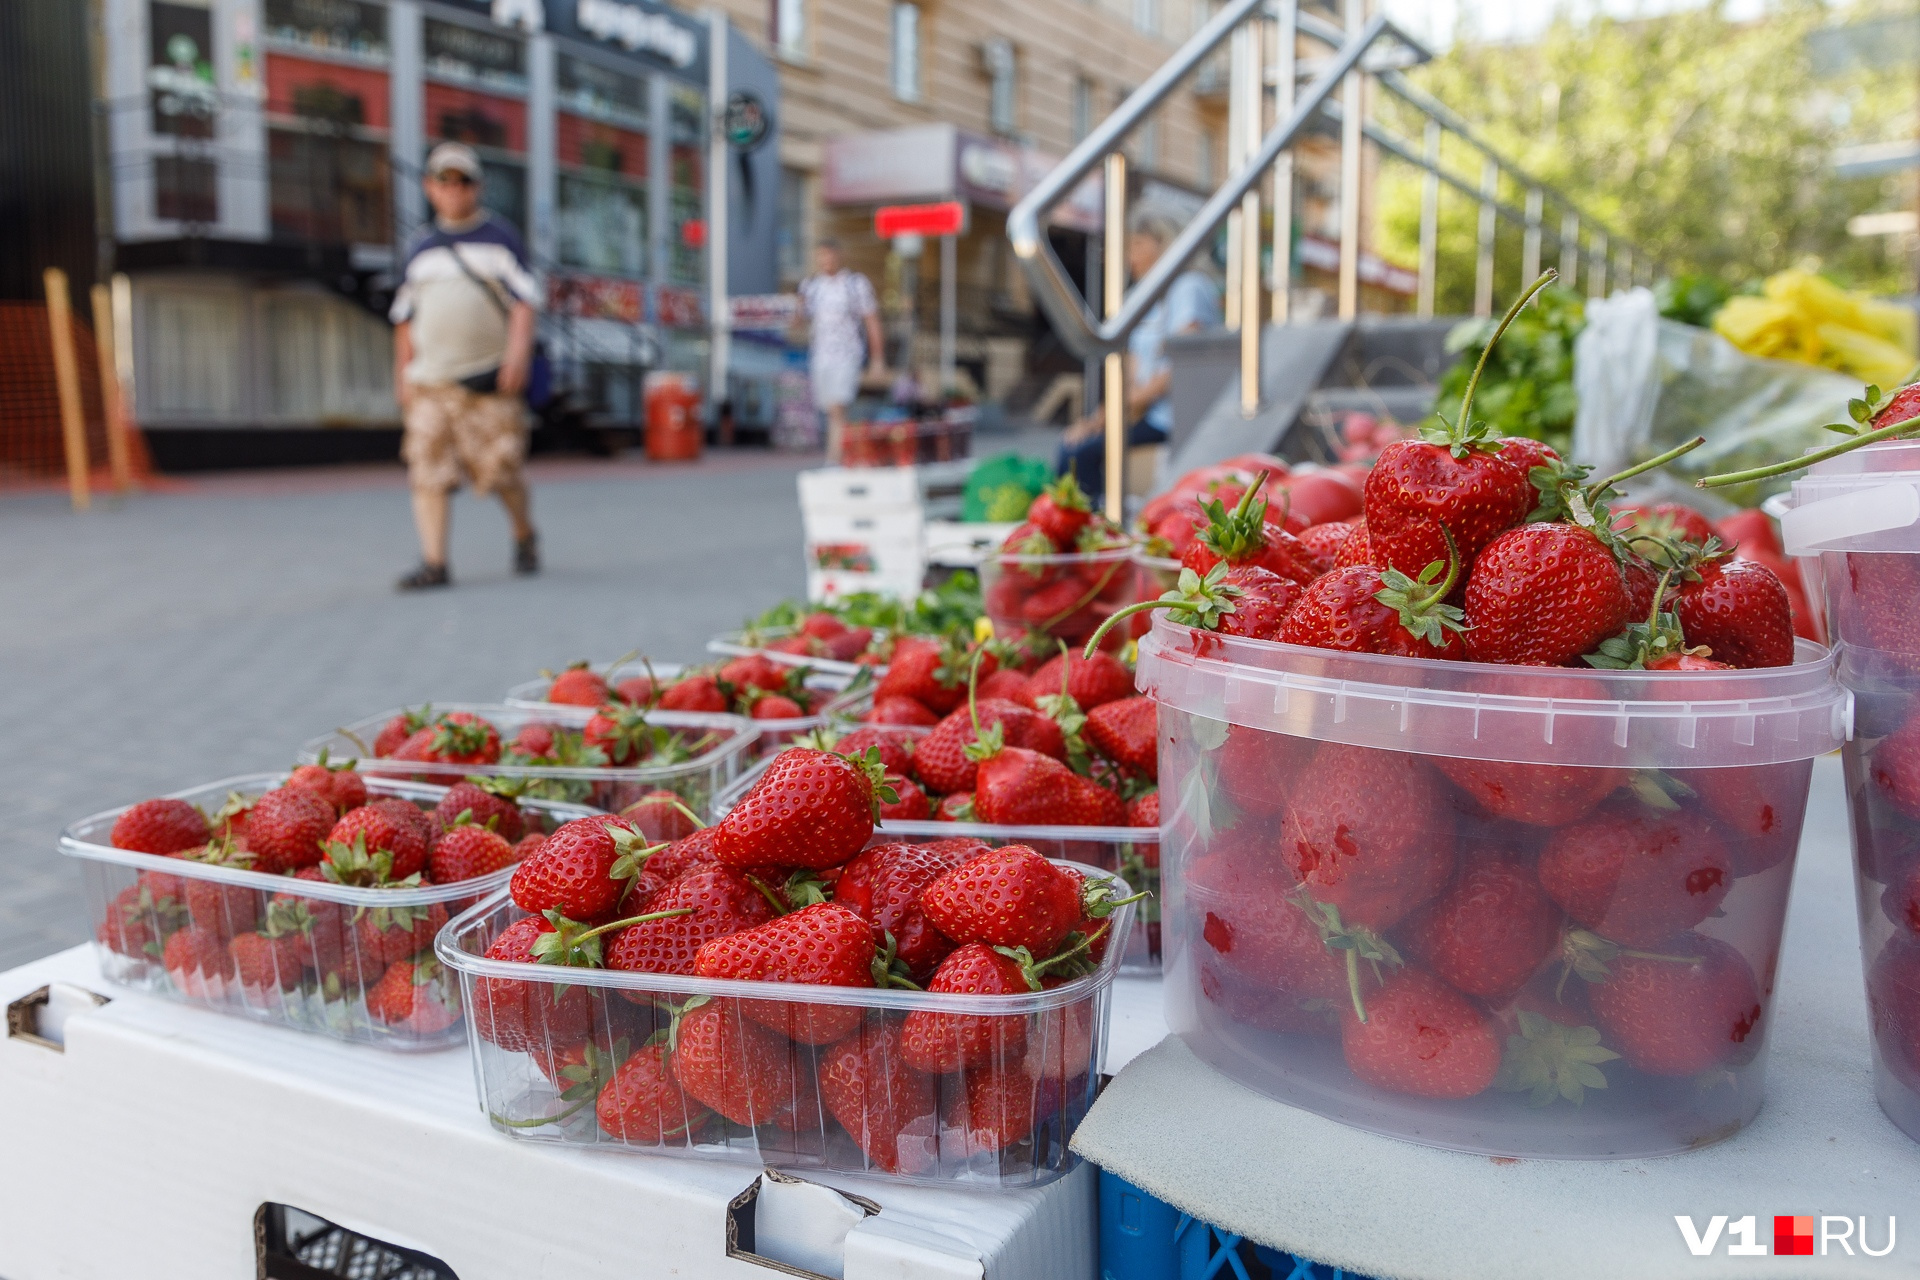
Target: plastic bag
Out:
[1648,384]
[1002,487]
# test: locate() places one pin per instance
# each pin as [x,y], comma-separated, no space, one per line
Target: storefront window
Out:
[603,224]
[186,189]
[504,190]
[686,233]
[337,26]
[180,70]
[328,188]
[467,53]
[593,90]
[792,226]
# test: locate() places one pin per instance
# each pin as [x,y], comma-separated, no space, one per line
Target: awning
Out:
[942,162]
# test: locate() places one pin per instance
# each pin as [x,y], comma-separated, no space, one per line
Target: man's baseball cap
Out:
[455,156]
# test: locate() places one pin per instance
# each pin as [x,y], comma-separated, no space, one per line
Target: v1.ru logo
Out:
[1792,1235]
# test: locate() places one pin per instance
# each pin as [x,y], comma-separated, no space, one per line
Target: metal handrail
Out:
[1072,319]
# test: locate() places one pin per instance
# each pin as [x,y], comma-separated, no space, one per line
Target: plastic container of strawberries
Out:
[1002,1123]
[531,695]
[742,644]
[719,746]
[137,902]
[1463,832]
[1854,521]
[1065,597]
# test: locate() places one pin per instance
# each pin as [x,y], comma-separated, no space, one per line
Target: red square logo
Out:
[1793,1236]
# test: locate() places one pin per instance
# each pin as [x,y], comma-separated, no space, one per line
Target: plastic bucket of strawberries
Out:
[1853,519]
[777,989]
[1061,573]
[308,900]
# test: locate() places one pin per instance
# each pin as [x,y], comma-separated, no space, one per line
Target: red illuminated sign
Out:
[948,218]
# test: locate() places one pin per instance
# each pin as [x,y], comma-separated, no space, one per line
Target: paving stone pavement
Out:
[210,628]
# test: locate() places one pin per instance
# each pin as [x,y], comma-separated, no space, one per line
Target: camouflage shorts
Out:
[453,434]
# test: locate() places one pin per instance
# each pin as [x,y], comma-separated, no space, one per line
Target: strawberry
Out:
[1244,600]
[660,815]
[1893,1008]
[1487,931]
[379,829]
[1449,483]
[884,883]
[464,738]
[339,785]
[414,994]
[739,1068]
[406,813]
[1364,832]
[1757,806]
[1540,795]
[401,727]
[1368,610]
[159,826]
[285,829]
[1527,453]
[535,741]
[1007,685]
[195,958]
[317,931]
[263,963]
[999,1108]
[890,1110]
[579,685]
[900,711]
[518,1015]
[1357,549]
[826,944]
[941,761]
[1662,521]
[1144,810]
[939,1042]
[643,1102]
[1126,733]
[1421,1037]
[1642,580]
[466,852]
[722,902]
[1253,769]
[1243,536]
[755,671]
[218,908]
[683,855]
[957,807]
[809,809]
[1893,766]
[1542,595]
[1682,1013]
[1637,875]
[1061,512]
[910,803]
[1011,897]
[140,919]
[581,870]
[621,733]
[1324,542]
[700,692]
[1255,928]
[895,747]
[1739,610]
[931,672]
[774,706]
[1091,681]
[482,806]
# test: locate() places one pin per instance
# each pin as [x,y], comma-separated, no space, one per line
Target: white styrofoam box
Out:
[839,488]
[832,584]
[888,545]
[962,546]
[209,1117]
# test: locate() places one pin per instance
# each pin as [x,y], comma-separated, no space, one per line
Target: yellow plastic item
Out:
[1808,319]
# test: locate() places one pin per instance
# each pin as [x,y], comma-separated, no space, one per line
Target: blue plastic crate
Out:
[1142,1238]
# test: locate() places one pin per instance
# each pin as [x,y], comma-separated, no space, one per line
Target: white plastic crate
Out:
[833,489]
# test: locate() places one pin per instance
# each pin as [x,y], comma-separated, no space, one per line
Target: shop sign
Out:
[595,298]
[947,218]
[745,121]
[679,308]
[638,30]
[898,164]
[763,312]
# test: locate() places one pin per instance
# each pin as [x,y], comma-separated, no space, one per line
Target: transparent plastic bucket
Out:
[1003,1121]
[531,695]
[721,744]
[1065,597]
[1431,844]
[321,983]
[1855,523]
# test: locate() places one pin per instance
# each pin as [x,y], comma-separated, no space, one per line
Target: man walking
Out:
[462,352]
[839,303]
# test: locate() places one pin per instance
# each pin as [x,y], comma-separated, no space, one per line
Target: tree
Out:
[1703,140]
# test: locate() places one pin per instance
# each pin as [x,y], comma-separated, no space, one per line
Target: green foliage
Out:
[1527,388]
[1691,299]
[952,606]
[1703,139]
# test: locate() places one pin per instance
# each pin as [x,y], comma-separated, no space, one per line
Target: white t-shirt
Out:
[837,305]
[459,325]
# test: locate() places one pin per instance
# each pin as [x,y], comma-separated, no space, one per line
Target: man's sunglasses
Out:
[453,177]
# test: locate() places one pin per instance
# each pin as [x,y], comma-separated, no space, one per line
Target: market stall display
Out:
[310,905]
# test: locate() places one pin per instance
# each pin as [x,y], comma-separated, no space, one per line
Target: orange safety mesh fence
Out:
[32,451]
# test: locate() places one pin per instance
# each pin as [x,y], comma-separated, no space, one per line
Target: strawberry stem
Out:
[1658,460]
[536,1121]
[1547,277]
[766,891]
[1892,431]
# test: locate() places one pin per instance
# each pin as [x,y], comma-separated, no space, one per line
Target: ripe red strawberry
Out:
[939,1042]
[1543,595]
[401,727]
[1091,682]
[1756,807]
[265,964]
[1421,1037]
[1016,787]
[387,934]
[1365,831]
[1664,520]
[1893,1008]
[1126,733]
[410,994]
[535,741]
[698,692]
[895,747]
[467,851]
[581,870]
[1000,1107]
[1637,876]
[900,711]
[826,944]
[1007,685]
[160,826]
[1324,542]
[381,830]
[318,932]
[1873,604]
[1487,931]
[884,884]
[285,829]
[660,815]
[461,737]
[910,805]
[930,672]
[578,686]
[197,960]
[1417,489]
[957,807]
[1894,768]
[216,907]
[723,902]
[518,1015]
[1144,811]
[620,732]
[941,761]
[339,785]
[1739,610]
[734,1065]
[755,671]
[809,809]
[1245,536]
[774,706]
[1540,795]
[1357,549]
[1253,926]
[1011,897]
[484,808]
[1061,512]
[890,1110]
[1679,1017]
[683,855]
[1643,581]
[139,920]
[1527,453]
[643,1102]
[1368,610]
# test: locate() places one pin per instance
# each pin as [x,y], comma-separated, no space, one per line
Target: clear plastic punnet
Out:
[1065,597]
[1855,521]
[742,644]
[974,1089]
[332,959]
[544,754]
[1523,911]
